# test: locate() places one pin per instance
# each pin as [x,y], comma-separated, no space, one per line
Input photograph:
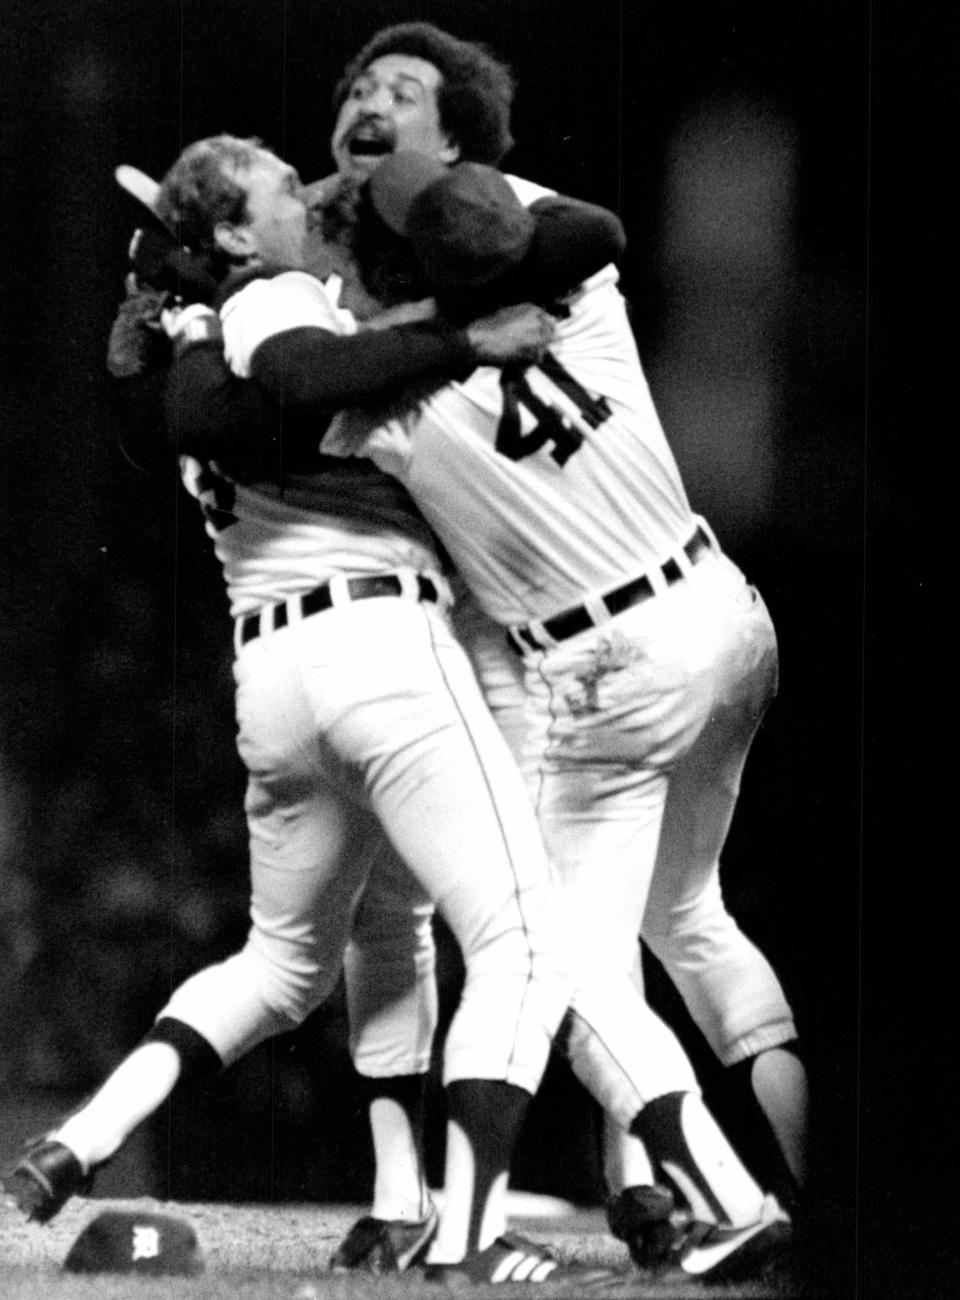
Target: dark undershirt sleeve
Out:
[213,415]
[571,241]
[209,411]
[309,366]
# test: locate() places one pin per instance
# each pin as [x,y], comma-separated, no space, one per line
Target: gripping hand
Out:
[514,335]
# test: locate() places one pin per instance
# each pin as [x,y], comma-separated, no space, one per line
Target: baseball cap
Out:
[465,223]
[140,1242]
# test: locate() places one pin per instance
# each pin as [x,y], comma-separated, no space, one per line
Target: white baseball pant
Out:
[633,738]
[367,718]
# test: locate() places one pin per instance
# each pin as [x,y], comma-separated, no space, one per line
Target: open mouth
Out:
[366,146]
[370,139]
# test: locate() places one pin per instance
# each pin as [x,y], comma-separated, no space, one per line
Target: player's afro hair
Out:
[474,98]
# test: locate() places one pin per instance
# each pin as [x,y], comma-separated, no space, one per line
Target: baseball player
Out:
[727,984]
[554,482]
[358,716]
[625,1054]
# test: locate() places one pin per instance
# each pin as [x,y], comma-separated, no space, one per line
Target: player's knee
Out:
[292,984]
[700,932]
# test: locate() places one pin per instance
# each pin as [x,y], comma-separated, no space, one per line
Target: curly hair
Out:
[475,95]
[201,190]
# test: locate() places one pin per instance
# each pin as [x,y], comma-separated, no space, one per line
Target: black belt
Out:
[578,619]
[320,598]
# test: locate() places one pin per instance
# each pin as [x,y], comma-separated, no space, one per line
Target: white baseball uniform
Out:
[359,716]
[644,662]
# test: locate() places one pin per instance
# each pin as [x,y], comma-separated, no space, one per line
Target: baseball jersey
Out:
[345,516]
[549,485]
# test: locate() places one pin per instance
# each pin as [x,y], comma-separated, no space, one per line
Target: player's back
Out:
[548,483]
[347,518]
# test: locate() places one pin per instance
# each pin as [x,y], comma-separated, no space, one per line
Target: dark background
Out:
[744,146]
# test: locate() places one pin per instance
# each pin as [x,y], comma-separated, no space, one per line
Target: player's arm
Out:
[572,240]
[208,411]
[208,408]
[478,244]
[312,367]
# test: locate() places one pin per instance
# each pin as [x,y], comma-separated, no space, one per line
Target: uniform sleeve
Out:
[571,241]
[312,367]
[288,333]
[211,414]
[266,307]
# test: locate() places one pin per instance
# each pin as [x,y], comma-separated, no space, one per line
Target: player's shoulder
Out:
[527,191]
[266,306]
[605,281]
[290,289]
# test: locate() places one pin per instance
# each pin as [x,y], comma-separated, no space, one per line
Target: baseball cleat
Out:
[725,1253]
[664,1240]
[648,1221]
[44,1179]
[512,1258]
[384,1245]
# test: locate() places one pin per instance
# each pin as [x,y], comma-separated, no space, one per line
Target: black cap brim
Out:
[142,190]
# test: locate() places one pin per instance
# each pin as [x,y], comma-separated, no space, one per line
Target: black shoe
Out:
[648,1221]
[512,1258]
[384,1245]
[44,1179]
[753,1251]
[668,1243]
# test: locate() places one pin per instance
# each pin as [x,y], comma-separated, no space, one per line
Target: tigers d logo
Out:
[146,1242]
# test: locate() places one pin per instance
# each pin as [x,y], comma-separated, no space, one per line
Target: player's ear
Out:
[450,153]
[236,241]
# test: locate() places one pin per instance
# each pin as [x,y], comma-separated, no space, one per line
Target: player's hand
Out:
[169,319]
[137,344]
[513,335]
[404,313]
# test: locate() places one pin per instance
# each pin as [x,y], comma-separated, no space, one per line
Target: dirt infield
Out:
[269,1252]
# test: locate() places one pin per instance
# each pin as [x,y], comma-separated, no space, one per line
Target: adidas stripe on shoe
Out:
[512,1258]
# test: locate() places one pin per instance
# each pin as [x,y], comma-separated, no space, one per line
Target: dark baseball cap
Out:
[130,1241]
[465,223]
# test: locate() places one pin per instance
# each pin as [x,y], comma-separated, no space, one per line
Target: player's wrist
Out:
[194,324]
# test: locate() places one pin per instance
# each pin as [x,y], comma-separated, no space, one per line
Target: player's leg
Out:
[603,837]
[441,781]
[728,985]
[463,822]
[309,853]
[389,971]
[596,728]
